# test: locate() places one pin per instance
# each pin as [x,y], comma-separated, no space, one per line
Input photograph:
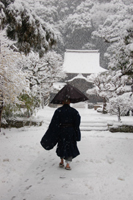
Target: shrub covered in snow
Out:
[120,105]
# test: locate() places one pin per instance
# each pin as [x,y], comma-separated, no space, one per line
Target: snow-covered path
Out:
[102,171]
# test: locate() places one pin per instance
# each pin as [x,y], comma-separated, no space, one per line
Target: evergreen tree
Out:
[25,27]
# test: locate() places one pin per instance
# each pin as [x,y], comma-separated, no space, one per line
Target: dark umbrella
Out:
[69,92]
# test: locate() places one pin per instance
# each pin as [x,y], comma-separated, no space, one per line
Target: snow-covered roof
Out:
[58,85]
[79,76]
[82,61]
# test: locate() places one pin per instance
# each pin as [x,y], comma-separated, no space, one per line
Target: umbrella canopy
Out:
[69,92]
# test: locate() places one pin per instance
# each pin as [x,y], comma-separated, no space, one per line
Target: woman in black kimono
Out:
[64,131]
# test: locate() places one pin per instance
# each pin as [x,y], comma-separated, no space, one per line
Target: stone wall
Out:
[121,128]
[19,123]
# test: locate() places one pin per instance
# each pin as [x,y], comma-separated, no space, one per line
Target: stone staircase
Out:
[93,126]
[88,125]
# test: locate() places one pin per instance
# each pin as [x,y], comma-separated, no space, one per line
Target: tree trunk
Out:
[119,114]
[132,85]
[1,109]
[132,94]
[104,105]
[42,102]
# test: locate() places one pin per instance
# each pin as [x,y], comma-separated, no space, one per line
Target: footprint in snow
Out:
[28,187]
[65,186]
[13,197]
[110,160]
[121,179]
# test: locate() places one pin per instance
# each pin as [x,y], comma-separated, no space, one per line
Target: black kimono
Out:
[63,131]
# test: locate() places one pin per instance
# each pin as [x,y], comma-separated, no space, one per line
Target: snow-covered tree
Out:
[75,20]
[117,32]
[42,72]
[78,26]
[25,27]
[109,85]
[122,56]
[12,80]
[72,20]
[122,59]
[120,104]
[116,22]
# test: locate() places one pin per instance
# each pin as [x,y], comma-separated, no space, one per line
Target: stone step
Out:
[93,124]
[94,128]
[88,125]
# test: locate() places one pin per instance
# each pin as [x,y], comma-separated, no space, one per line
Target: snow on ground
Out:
[103,171]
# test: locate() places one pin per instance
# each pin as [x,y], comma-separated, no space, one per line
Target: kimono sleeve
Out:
[77,127]
[50,138]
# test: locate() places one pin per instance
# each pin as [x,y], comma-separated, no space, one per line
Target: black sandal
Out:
[61,165]
[68,168]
